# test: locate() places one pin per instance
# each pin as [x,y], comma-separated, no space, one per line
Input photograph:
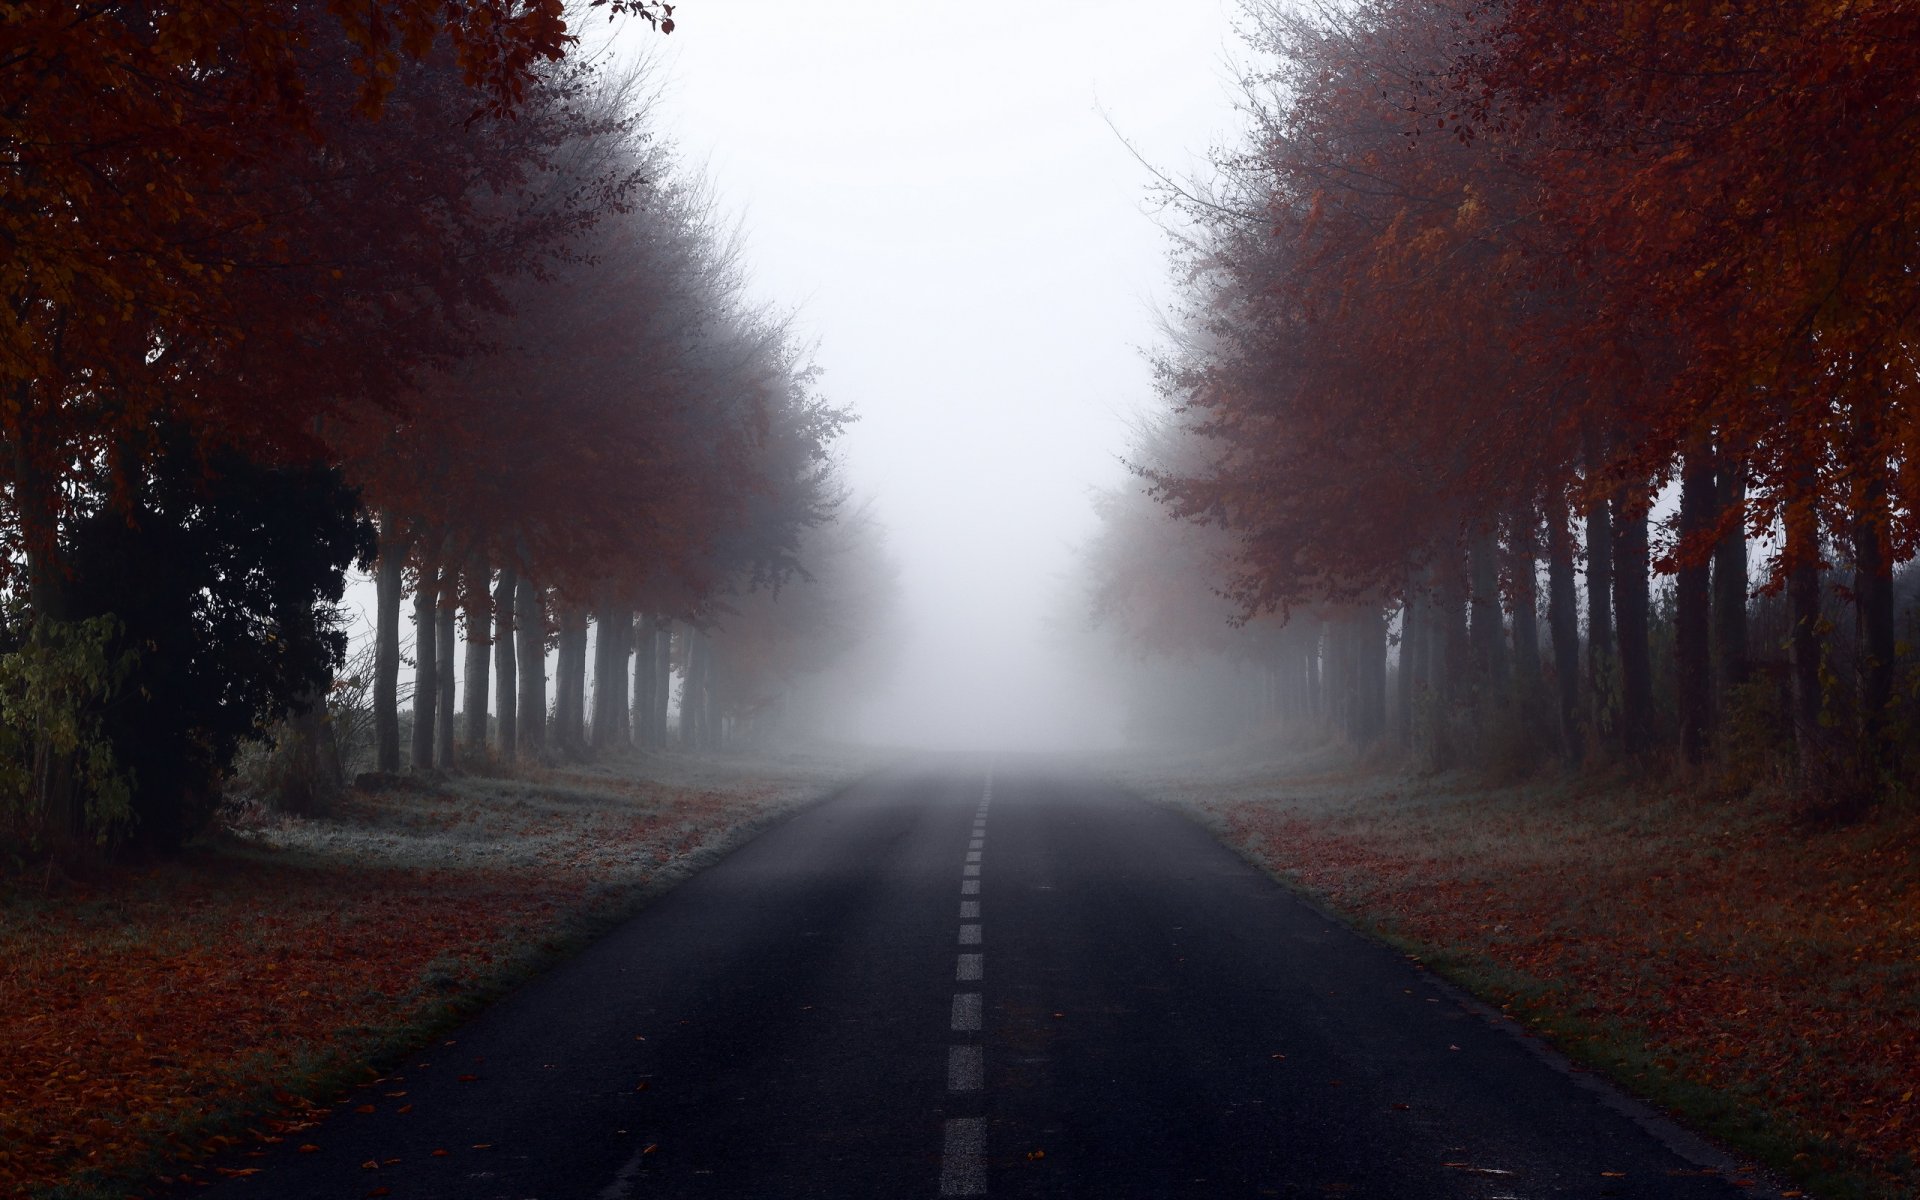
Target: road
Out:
[940,984]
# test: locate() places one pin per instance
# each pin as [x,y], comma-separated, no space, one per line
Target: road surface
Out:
[940,983]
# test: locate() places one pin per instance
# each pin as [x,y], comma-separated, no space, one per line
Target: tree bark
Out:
[1455,668]
[1806,638]
[600,725]
[645,661]
[610,620]
[530,643]
[1487,634]
[426,648]
[1563,622]
[570,697]
[1409,668]
[662,679]
[690,683]
[1372,664]
[1692,620]
[388,578]
[1522,559]
[623,697]
[479,616]
[1876,660]
[506,697]
[449,635]
[1730,576]
[1630,604]
[1602,670]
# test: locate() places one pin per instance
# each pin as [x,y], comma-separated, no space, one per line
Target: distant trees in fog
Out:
[1554,367]
[409,284]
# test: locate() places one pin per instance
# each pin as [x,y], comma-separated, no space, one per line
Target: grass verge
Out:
[1756,975]
[154,1017]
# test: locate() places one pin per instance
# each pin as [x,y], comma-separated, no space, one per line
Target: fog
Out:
[946,195]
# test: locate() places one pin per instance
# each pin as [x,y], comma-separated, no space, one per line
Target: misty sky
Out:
[934,186]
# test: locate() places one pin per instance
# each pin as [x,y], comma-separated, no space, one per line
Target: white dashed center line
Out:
[966,1068]
[963,1169]
[963,1165]
[966,1012]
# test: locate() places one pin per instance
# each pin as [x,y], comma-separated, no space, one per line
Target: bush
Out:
[61,777]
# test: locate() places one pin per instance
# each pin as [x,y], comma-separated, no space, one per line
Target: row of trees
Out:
[403,283]
[1622,292]
[748,655]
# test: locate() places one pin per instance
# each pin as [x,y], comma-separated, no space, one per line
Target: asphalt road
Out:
[914,990]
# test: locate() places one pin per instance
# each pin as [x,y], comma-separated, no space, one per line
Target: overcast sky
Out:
[934,186]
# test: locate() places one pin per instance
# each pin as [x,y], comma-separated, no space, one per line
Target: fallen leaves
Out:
[1735,951]
[156,998]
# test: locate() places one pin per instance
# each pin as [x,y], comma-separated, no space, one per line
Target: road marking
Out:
[976,843]
[969,887]
[969,908]
[970,967]
[969,935]
[963,1165]
[966,1068]
[973,856]
[970,869]
[966,1011]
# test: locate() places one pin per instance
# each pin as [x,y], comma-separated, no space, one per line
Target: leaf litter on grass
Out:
[137,1009]
[1725,946]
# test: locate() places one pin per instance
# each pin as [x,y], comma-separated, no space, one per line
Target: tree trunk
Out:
[479,615]
[1876,660]
[426,648]
[530,644]
[1806,639]
[1522,565]
[1730,576]
[623,698]
[662,679]
[1602,671]
[506,684]
[1411,643]
[1630,604]
[388,578]
[1487,634]
[1373,672]
[690,689]
[570,698]
[1563,622]
[610,622]
[712,727]
[645,662]
[600,727]
[1692,620]
[444,716]
[1455,668]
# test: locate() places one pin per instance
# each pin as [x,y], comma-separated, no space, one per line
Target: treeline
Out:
[1554,365]
[403,284]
